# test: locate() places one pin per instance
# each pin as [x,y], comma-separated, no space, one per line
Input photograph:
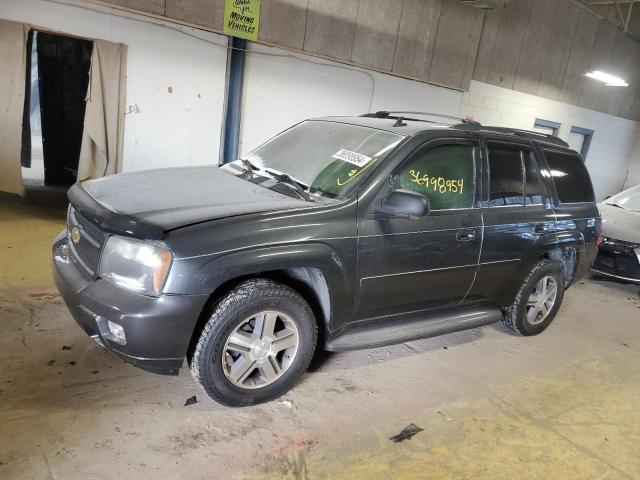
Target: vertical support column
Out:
[231,116]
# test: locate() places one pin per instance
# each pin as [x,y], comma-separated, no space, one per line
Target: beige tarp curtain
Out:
[13,55]
[101,152]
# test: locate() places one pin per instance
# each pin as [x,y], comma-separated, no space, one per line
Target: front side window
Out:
[445,174]
[506,179]
[570,177]
[328,158]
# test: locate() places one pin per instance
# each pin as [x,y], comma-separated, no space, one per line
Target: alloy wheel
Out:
[542,300]
[260,349]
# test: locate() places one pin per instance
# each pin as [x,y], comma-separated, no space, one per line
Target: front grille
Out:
[86,246]
[618,258]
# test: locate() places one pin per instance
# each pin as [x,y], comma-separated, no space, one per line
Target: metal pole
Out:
[230,134]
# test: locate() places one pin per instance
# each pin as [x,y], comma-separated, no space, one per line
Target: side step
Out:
[392,330]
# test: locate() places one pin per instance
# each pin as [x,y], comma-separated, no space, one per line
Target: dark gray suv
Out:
[339,233]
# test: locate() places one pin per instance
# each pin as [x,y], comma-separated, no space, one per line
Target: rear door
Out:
[516,212]
[578,220]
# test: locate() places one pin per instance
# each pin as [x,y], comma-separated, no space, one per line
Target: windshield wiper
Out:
[286,179]
[248,168]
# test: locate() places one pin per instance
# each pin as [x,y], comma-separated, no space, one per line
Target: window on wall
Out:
[546,126]
[444,174]
[580,140]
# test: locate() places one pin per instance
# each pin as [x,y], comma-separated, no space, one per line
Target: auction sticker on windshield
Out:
[356,158]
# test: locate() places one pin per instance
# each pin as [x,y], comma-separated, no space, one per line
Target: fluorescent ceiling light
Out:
[609,80]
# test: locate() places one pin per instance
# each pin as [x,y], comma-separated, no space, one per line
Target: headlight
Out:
[135,265]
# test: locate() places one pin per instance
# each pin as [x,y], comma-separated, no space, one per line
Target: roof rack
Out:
[527,134]
[467,124]
[396,114]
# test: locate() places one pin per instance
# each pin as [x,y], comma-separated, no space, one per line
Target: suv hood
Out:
[149,203]
[620,223]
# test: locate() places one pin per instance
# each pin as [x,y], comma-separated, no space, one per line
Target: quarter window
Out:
[570,177]
[444,174]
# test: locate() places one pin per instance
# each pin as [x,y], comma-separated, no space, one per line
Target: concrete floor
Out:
[492,405]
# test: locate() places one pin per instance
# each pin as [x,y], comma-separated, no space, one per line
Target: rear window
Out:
[570,177]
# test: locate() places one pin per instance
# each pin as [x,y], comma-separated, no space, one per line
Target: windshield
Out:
[327,157]
[629,199]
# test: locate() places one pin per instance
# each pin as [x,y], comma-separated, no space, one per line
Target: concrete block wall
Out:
[613,159]
[540,47]
[545,47]
[430,40]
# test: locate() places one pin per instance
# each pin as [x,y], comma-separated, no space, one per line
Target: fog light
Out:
[117,333]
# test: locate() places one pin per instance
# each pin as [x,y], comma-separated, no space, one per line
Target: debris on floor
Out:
[406,433]
[191,401]
[66,347]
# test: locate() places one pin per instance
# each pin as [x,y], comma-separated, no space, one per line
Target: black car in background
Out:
[339,233]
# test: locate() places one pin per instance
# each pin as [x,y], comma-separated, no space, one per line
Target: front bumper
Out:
[618,259]
[158,330]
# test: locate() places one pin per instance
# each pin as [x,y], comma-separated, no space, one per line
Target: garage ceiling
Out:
[623,13]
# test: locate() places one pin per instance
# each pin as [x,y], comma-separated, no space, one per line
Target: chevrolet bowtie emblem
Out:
[75,235]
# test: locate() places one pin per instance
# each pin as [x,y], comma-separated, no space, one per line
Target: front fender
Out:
[205,274]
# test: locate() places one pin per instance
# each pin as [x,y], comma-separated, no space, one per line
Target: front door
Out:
[420,263]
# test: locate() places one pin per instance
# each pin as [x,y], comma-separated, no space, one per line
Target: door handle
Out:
[465,235]
[541,228]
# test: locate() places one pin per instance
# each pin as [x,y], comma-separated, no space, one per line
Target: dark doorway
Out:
[63,65]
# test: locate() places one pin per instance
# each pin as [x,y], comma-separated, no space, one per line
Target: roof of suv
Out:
[406,123]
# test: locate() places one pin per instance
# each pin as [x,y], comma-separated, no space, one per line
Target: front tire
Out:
[257,343]
[538,299]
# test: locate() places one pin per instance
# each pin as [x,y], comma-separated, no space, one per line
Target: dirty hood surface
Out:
[175,197]
[620,223]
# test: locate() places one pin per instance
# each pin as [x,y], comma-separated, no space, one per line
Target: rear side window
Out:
[570,177]
[444,174]
[506,179]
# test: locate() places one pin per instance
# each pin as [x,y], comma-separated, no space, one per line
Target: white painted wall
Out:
[281,89]
[615,147]
[633,175]
[178,128]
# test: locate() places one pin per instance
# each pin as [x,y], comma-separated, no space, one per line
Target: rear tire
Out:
[257,343]
[538,299]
